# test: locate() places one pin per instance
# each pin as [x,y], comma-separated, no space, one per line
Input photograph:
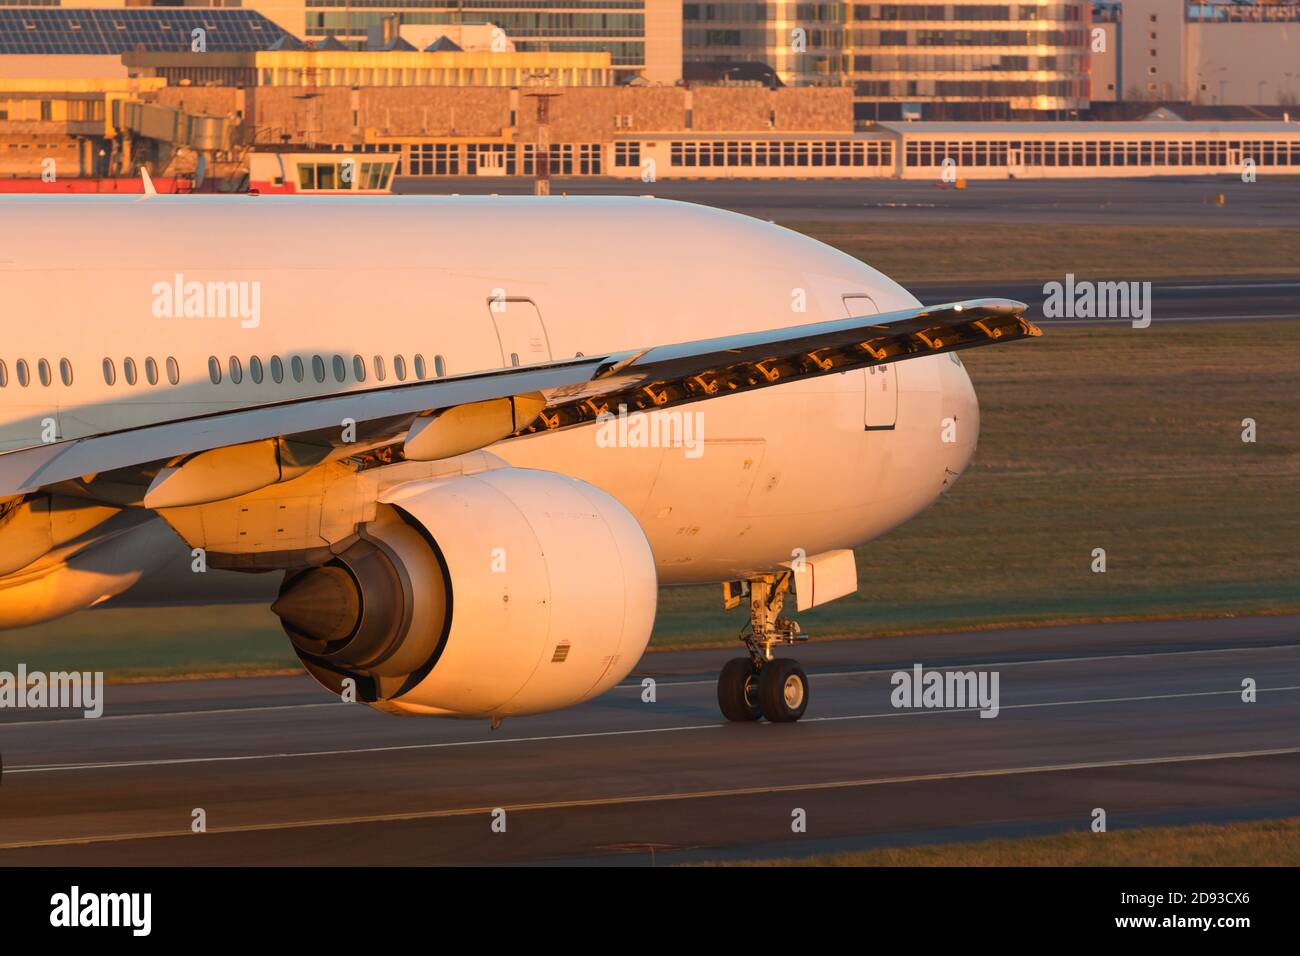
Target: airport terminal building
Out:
[108,90]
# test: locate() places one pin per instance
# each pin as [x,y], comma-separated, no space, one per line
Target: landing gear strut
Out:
[761,685]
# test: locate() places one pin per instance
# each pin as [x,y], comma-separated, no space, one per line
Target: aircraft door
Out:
[881,389]
[520,331]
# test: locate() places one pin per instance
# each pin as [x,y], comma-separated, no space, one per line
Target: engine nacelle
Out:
[492,595]
[81,574]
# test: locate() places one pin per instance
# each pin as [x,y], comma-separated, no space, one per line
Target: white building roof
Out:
[1099,128]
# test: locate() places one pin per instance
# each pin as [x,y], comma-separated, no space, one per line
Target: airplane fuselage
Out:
[122,313]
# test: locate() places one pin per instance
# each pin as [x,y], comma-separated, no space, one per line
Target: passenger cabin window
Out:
[110,372]
[299,373]
[439,366]
[128,370]
[24,376]
[236,370]
[214,369]
[65,371]
[359,368]
[379,367]
[340,369]
[318,368]
[4,374]
[173,371]
[399,368]
[255,370]
[277,369]
[43,369]
[151,370]
[420,370]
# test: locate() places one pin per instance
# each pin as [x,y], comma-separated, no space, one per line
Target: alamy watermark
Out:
[57,690]
[1083,299]
[129,910]
[954,690]
[655,429]
[179,299]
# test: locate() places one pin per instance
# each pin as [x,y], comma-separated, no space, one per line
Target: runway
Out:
[1172,300]
[1152,201]
[1143,720]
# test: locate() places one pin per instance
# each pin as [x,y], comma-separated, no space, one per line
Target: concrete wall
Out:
[663,41]
[1153,51]
[1243,63]
[1104,65]
[22,66]
[588,115]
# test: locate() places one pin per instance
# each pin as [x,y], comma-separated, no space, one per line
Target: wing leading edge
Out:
[575,392]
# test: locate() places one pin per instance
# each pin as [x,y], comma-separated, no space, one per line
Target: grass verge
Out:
[1264,843]
[932,252]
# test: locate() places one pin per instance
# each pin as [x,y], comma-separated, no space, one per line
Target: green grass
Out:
[154,642]
[1268,843]
[941,253]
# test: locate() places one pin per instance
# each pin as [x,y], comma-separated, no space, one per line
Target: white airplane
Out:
[473,434]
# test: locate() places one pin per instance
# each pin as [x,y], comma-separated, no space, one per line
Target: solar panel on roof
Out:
[156,30]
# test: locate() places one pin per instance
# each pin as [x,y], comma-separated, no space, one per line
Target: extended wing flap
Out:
[695,371]
[575,391]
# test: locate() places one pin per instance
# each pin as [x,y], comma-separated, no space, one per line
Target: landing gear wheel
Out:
[782,691]
[738,690]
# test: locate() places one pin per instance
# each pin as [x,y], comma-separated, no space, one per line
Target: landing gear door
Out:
[881,391]
[520,331]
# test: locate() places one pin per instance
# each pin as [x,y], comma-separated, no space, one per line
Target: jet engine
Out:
[72,558]
[507,592]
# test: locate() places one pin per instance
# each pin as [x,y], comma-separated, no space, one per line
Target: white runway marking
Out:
[820,675]
[440,745]
[666,797]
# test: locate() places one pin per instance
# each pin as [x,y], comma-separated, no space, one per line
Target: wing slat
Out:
[577,391]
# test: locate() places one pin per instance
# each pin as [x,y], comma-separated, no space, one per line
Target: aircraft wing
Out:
[568,393]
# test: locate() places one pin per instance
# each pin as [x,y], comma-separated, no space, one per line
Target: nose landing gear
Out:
[760,685]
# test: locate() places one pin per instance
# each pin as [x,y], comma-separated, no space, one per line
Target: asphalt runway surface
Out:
[1171,300]
[1143,720]
[1151,201]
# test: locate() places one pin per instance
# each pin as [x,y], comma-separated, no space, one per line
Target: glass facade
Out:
[910,59]
[152,29]
[566,26]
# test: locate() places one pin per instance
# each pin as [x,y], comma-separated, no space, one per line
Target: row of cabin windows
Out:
[131,373]
[257,370]
[23,372]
